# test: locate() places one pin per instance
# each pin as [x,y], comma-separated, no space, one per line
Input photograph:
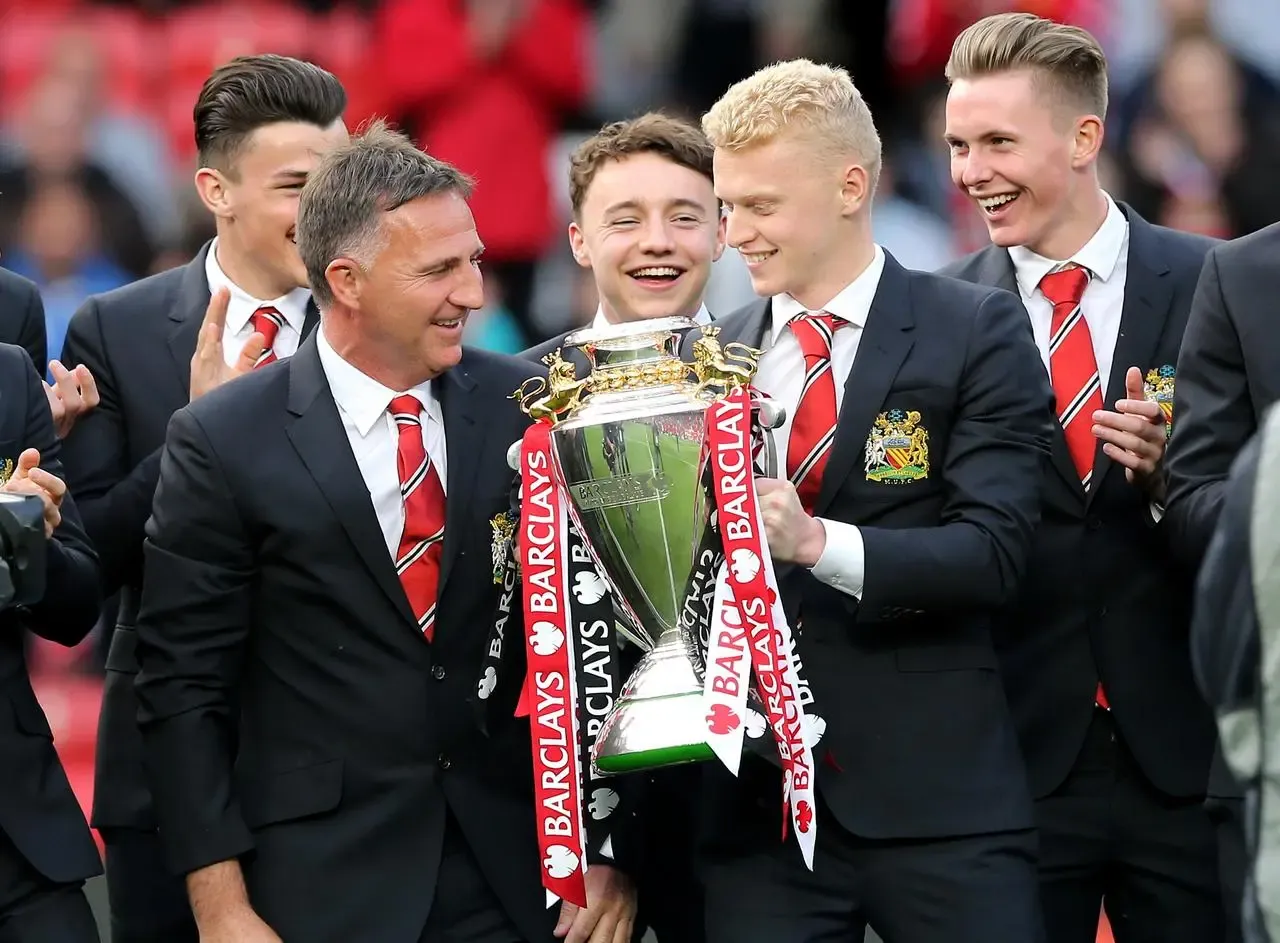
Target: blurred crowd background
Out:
[96,152]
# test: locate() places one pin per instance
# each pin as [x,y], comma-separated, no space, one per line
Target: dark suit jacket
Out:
[269,586]
[137,341]
[22,318]
[906,678]
[1102,597]
[38,810]
[1225,643]
[1228,374]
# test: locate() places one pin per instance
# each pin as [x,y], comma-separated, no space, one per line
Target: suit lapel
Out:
[746,326]
[1147,294]
[187,315]
[996,269]
[320,440]
[471,453]
[886,339]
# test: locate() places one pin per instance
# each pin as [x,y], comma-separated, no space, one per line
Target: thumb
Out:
[29,459]
[1133,383]
[254,348]
[568,911]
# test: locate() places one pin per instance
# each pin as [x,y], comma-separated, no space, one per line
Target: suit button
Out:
[443,761]
[437,672]
[1093,522]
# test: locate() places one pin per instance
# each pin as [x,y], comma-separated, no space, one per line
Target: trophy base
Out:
[659,718]
[646,734]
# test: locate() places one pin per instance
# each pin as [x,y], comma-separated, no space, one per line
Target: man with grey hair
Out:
[317,571]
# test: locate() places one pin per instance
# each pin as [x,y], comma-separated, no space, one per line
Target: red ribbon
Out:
[549,685]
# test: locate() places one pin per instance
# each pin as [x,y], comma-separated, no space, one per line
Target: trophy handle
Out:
[770,416]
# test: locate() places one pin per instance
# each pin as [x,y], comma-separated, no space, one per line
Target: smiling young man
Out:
[647,223]
[646,220]
[1094,650]
[261,123]
[890,566]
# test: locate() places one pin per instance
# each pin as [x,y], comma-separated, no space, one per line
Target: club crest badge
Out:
[1158,388]
[6,470]
[898,448]
[504,531]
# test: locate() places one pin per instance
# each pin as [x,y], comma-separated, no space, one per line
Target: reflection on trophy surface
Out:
[628,446]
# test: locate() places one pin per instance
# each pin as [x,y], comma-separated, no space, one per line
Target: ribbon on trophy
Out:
[748,630]
[571,676]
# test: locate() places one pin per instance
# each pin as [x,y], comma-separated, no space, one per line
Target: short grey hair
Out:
[341,208]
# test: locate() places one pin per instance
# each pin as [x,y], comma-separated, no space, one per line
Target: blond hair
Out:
[1067,58]
[800,95]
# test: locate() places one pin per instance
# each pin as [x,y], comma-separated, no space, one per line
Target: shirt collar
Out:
[1099,255]
[293,306]
[703,316]
[362,398]
[852,304]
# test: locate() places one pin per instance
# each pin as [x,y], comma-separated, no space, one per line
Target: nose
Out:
[969,170]
[469,291]
[738,231]
[656,238]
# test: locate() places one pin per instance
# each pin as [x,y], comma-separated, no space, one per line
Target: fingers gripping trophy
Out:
[638,514]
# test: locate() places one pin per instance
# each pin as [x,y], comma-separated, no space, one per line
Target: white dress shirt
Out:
[1106,256]
[780,374]
[239,326]
[702,317]
[374,438]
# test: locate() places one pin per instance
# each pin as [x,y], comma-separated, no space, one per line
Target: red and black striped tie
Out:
[422,540]
[813,428]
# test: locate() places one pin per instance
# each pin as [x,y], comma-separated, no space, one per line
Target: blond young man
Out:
[889,569]
[1094,649]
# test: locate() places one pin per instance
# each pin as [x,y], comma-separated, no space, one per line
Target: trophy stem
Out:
[658,720]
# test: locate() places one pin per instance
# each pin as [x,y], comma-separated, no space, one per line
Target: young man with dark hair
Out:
[1093,650]
[646,220]
[261,124]
[647,223]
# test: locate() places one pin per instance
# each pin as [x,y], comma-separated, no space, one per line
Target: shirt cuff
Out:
[1157,511]
[842,565]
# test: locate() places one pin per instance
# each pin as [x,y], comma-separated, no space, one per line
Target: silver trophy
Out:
[628,447]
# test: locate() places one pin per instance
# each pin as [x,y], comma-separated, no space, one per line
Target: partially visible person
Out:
[1234,632]
[46,850]
[1228,376]
[261,124]
[59,248]
[1093,650]
[314,620]
[22,317]
[489,96]
[889,567]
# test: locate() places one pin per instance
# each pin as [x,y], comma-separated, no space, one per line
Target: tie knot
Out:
[406,409]
[267,321]
[815,331]
[1065,286]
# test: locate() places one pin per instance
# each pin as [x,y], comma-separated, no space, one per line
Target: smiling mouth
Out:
[657,274]
[755,258]
[993,204]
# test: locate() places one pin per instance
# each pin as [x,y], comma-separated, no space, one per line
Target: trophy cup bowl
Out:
[630,456]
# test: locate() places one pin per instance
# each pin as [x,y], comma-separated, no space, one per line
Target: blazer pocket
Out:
[293,794]
[944,658]
[30,716]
